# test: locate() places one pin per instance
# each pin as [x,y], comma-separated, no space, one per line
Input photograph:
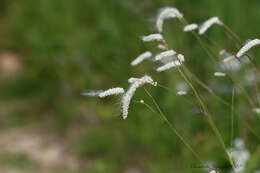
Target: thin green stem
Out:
[232,117]
[250,101]
[202,84]
[233,34]
[252,130]
[209,119]
[171,126]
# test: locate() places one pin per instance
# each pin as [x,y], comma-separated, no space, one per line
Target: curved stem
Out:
[171,126]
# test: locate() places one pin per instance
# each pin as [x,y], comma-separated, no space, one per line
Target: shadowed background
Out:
[53,50]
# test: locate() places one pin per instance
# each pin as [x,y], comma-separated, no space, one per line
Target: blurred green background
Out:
[53,50]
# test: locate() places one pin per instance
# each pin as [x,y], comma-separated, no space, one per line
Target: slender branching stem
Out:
[209,119]
[202,84]
[171,126]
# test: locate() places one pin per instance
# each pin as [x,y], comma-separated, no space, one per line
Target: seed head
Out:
[190,27]
[152,37]
[111,91]
[126,98]
[168,66]
[247,47]
[166,13]
[91,93]
[208,23]
[141,57]
[164,54]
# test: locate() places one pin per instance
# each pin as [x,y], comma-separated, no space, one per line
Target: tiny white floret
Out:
[180,57]
[220,74]
[181,93]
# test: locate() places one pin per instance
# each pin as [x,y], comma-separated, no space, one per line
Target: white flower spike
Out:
[92,93]
[111,91]
[190,27]
[141,58]
[152,37]
[164,54]
[126,98]
[166,13]
[248,46]
[208,23]
[168,66]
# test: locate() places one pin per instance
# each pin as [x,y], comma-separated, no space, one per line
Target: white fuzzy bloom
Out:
[168,66]
[220,74]
[152,37]
[126,98]
[180,57]
[91,93]
[111,91]
[181,93]
[247,47]
[164,54]
[142,101]
[190,27]
[256,110]
[208,23]
[141,57]
[162,47]
[166,13]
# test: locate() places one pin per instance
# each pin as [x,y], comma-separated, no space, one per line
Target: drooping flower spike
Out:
[166,13]
[102,94]
[141,58]
[164,54]
[137,83]
[208,23]
[247,47]
[152,37]
[169,65]
[190,27]
[111,91]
